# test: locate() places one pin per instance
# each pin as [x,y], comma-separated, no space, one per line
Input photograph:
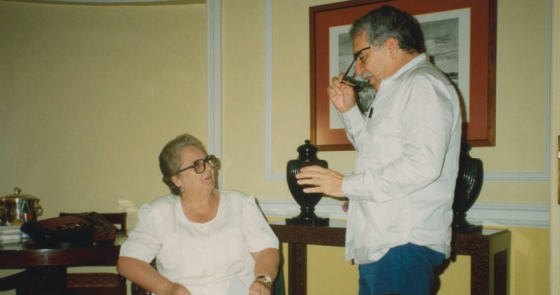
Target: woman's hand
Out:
[266,264]
[259,288]
[177,289]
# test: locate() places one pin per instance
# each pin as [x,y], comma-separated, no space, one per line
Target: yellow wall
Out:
[92,94]
[520,128]
[89,94]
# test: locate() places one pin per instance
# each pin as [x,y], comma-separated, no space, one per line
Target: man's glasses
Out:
[350,80]
[199,165]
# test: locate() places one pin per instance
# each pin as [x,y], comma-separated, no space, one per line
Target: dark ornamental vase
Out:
[307,157]
[467,189]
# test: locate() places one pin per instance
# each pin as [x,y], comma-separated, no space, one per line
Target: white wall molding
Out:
[517,215]
[268,174]
[520,176]
[214,79]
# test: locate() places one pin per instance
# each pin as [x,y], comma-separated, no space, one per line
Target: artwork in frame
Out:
[460,39]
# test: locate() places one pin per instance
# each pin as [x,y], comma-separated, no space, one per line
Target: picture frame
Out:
[469,60]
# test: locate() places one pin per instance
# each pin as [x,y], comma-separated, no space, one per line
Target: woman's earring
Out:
[182,189]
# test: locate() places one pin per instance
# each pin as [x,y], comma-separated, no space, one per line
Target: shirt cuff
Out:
[352,117]
[352,186]
[362,186]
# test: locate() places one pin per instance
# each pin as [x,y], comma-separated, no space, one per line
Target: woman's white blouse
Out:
[201,256]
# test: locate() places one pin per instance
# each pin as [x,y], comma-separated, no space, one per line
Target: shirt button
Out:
[205,272]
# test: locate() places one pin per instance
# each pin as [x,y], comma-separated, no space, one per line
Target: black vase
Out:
[307,157]
[467,189]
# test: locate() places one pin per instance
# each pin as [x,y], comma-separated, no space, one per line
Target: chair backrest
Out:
[118,219]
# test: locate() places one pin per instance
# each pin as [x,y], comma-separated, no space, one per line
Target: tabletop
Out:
[45,269]
[26,254]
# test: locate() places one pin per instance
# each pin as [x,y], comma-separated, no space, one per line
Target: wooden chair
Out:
[12,282]
[99,283]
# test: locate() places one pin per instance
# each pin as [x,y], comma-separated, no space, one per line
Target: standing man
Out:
[408,143]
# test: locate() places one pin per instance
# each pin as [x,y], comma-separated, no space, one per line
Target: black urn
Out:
[307,157]
[467,189]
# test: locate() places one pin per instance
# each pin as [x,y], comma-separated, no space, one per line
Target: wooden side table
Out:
[46,268]
[489,251]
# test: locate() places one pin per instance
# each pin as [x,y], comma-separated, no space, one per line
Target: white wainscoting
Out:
[516,215]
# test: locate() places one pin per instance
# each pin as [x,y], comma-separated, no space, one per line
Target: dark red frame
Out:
[479,131]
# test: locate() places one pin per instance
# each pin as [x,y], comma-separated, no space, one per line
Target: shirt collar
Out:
[422,57]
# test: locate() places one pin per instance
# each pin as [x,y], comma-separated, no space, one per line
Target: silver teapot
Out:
[18,208]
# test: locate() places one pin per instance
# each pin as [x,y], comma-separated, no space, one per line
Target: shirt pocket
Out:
[382,140]
[237,249]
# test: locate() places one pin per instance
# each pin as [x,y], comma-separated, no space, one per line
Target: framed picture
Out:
[460,39]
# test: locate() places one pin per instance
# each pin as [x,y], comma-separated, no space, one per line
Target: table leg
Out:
[11,282]
[297,269]
[43,280]
[480,273]
[480,277]
[500,273]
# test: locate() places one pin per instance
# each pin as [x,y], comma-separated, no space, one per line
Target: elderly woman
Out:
[203,239]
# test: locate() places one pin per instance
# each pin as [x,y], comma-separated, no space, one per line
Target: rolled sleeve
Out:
[256,229]
[143,242]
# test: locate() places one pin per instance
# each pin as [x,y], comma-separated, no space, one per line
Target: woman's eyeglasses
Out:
[199,165]
[347,80]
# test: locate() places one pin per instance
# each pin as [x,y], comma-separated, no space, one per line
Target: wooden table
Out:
[46,268]
[489,253]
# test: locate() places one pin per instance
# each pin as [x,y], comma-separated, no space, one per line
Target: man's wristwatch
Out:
[266,280]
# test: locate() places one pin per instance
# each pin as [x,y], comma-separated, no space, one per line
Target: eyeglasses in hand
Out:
[347,80]
[199,165]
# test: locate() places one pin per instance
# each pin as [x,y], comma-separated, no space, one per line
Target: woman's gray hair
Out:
[170,159]
[388,22]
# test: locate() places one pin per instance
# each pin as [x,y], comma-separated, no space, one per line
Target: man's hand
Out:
[322,180]
[341,95]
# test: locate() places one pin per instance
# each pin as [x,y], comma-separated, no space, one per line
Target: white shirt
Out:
[201,256]
[403,184]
